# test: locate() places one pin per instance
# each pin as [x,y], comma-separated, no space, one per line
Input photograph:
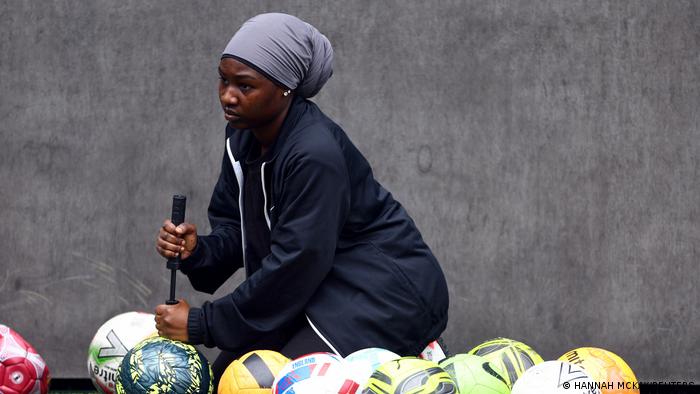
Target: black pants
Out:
[294,341]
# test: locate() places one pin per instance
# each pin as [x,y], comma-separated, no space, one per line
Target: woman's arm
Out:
[314,203]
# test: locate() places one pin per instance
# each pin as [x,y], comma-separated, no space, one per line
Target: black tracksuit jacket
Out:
[343,252]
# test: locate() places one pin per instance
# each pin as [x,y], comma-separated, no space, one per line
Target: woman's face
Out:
[249,100]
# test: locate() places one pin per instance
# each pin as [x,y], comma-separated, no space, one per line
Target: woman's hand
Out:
[173,240]
[171,320]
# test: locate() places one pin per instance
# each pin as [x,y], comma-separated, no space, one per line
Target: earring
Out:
[286,93]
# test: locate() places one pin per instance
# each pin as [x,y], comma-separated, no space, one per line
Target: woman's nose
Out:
[228,96]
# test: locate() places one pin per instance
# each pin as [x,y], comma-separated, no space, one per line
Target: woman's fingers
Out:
[169,245]
[167,250]
[173,241]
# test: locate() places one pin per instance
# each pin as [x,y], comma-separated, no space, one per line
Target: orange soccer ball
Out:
[605,367]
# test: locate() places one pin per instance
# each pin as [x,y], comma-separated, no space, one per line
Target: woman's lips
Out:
[230,115]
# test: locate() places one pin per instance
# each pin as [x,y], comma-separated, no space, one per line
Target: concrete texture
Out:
[548,151]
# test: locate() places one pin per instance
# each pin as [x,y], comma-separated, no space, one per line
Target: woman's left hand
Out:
[171,320]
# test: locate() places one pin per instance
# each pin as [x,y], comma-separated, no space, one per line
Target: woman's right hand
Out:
[173,241]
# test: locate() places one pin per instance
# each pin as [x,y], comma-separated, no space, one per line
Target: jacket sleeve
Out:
[314,202]
[219,254]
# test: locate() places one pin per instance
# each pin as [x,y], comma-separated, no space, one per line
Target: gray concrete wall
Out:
[548,151]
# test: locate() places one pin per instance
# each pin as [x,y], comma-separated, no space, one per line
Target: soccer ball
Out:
[22,370]
[110,344]
[475,375]
[509,356]
[410,375]
[315,373]
[253,373]
[360,365]
[555,377]
[604,366]
[161,365]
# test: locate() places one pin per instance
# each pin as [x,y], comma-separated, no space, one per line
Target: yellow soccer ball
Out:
[511,357]
[410,375]
[253,373]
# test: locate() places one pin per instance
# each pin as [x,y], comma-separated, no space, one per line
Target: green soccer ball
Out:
[511,357]
[410,375]
[160,365]
[475,375]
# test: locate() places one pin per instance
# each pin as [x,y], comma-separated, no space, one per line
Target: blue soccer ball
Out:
[161,365]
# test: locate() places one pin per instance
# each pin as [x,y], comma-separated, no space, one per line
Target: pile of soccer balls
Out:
[127,356]
[499,366]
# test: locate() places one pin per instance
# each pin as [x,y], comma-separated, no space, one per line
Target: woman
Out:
[332,261]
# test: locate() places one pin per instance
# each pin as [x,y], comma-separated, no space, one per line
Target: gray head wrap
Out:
[286,50]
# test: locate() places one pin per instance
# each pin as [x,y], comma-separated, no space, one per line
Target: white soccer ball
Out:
[360,365]
[111,343]
[315,373]
[555,377]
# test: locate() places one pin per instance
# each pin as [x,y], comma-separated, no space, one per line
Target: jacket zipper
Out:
[262,180]
[267,219]
[238,171]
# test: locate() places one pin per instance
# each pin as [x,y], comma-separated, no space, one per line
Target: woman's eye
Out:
[244,88]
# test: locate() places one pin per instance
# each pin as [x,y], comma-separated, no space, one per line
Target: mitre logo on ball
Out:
[112,342]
